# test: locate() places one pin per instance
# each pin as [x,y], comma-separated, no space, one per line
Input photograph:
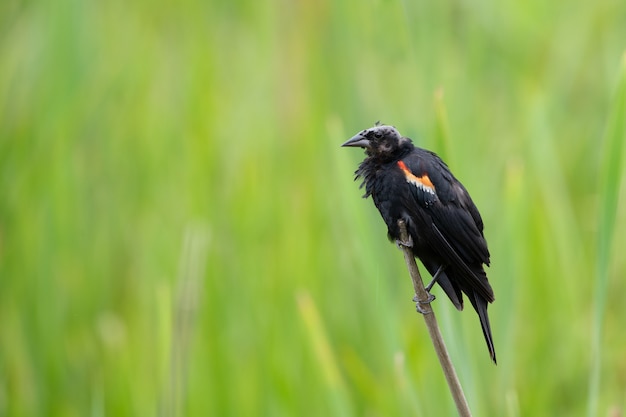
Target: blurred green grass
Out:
[158,154]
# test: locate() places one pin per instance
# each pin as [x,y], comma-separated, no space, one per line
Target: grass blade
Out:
[610,178]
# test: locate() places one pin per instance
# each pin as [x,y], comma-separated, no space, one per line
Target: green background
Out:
[180,233]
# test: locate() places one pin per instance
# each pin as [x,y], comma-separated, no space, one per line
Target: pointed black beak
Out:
[358,141]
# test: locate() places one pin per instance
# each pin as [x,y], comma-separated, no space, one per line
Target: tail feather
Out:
[452,291]
[480,305]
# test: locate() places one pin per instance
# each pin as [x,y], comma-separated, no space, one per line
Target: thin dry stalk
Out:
[424,299]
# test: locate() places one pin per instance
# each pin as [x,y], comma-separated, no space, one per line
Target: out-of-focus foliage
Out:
[180,233]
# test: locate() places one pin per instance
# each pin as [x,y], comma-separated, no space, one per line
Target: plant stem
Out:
[424,299]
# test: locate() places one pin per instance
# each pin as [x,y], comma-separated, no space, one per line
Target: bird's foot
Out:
[406,243]
[419,303]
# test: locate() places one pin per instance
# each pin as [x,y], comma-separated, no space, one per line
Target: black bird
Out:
[445,228]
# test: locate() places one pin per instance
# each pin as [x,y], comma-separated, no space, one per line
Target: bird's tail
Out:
[453,292]
[480,305]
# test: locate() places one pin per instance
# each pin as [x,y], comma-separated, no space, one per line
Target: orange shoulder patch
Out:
[422,181]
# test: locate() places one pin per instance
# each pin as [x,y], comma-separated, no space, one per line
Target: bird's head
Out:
[380,141]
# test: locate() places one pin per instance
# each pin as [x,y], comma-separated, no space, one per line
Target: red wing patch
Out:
[422,182]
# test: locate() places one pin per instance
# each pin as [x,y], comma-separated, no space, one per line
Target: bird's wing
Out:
[449,220]
[422,187]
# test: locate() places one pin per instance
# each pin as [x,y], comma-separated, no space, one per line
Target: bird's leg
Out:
[435,277]
[431,297]
[408,243]
[430,285]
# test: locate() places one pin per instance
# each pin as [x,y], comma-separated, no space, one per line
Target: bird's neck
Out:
[387,157]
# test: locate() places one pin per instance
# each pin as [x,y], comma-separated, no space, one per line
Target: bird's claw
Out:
[406,243]
[419,303]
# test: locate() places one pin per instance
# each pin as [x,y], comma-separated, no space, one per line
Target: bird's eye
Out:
[378,135]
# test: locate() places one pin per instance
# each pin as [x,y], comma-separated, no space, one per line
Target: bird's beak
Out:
[358,141]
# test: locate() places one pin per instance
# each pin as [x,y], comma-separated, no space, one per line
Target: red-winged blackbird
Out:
[444,225]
